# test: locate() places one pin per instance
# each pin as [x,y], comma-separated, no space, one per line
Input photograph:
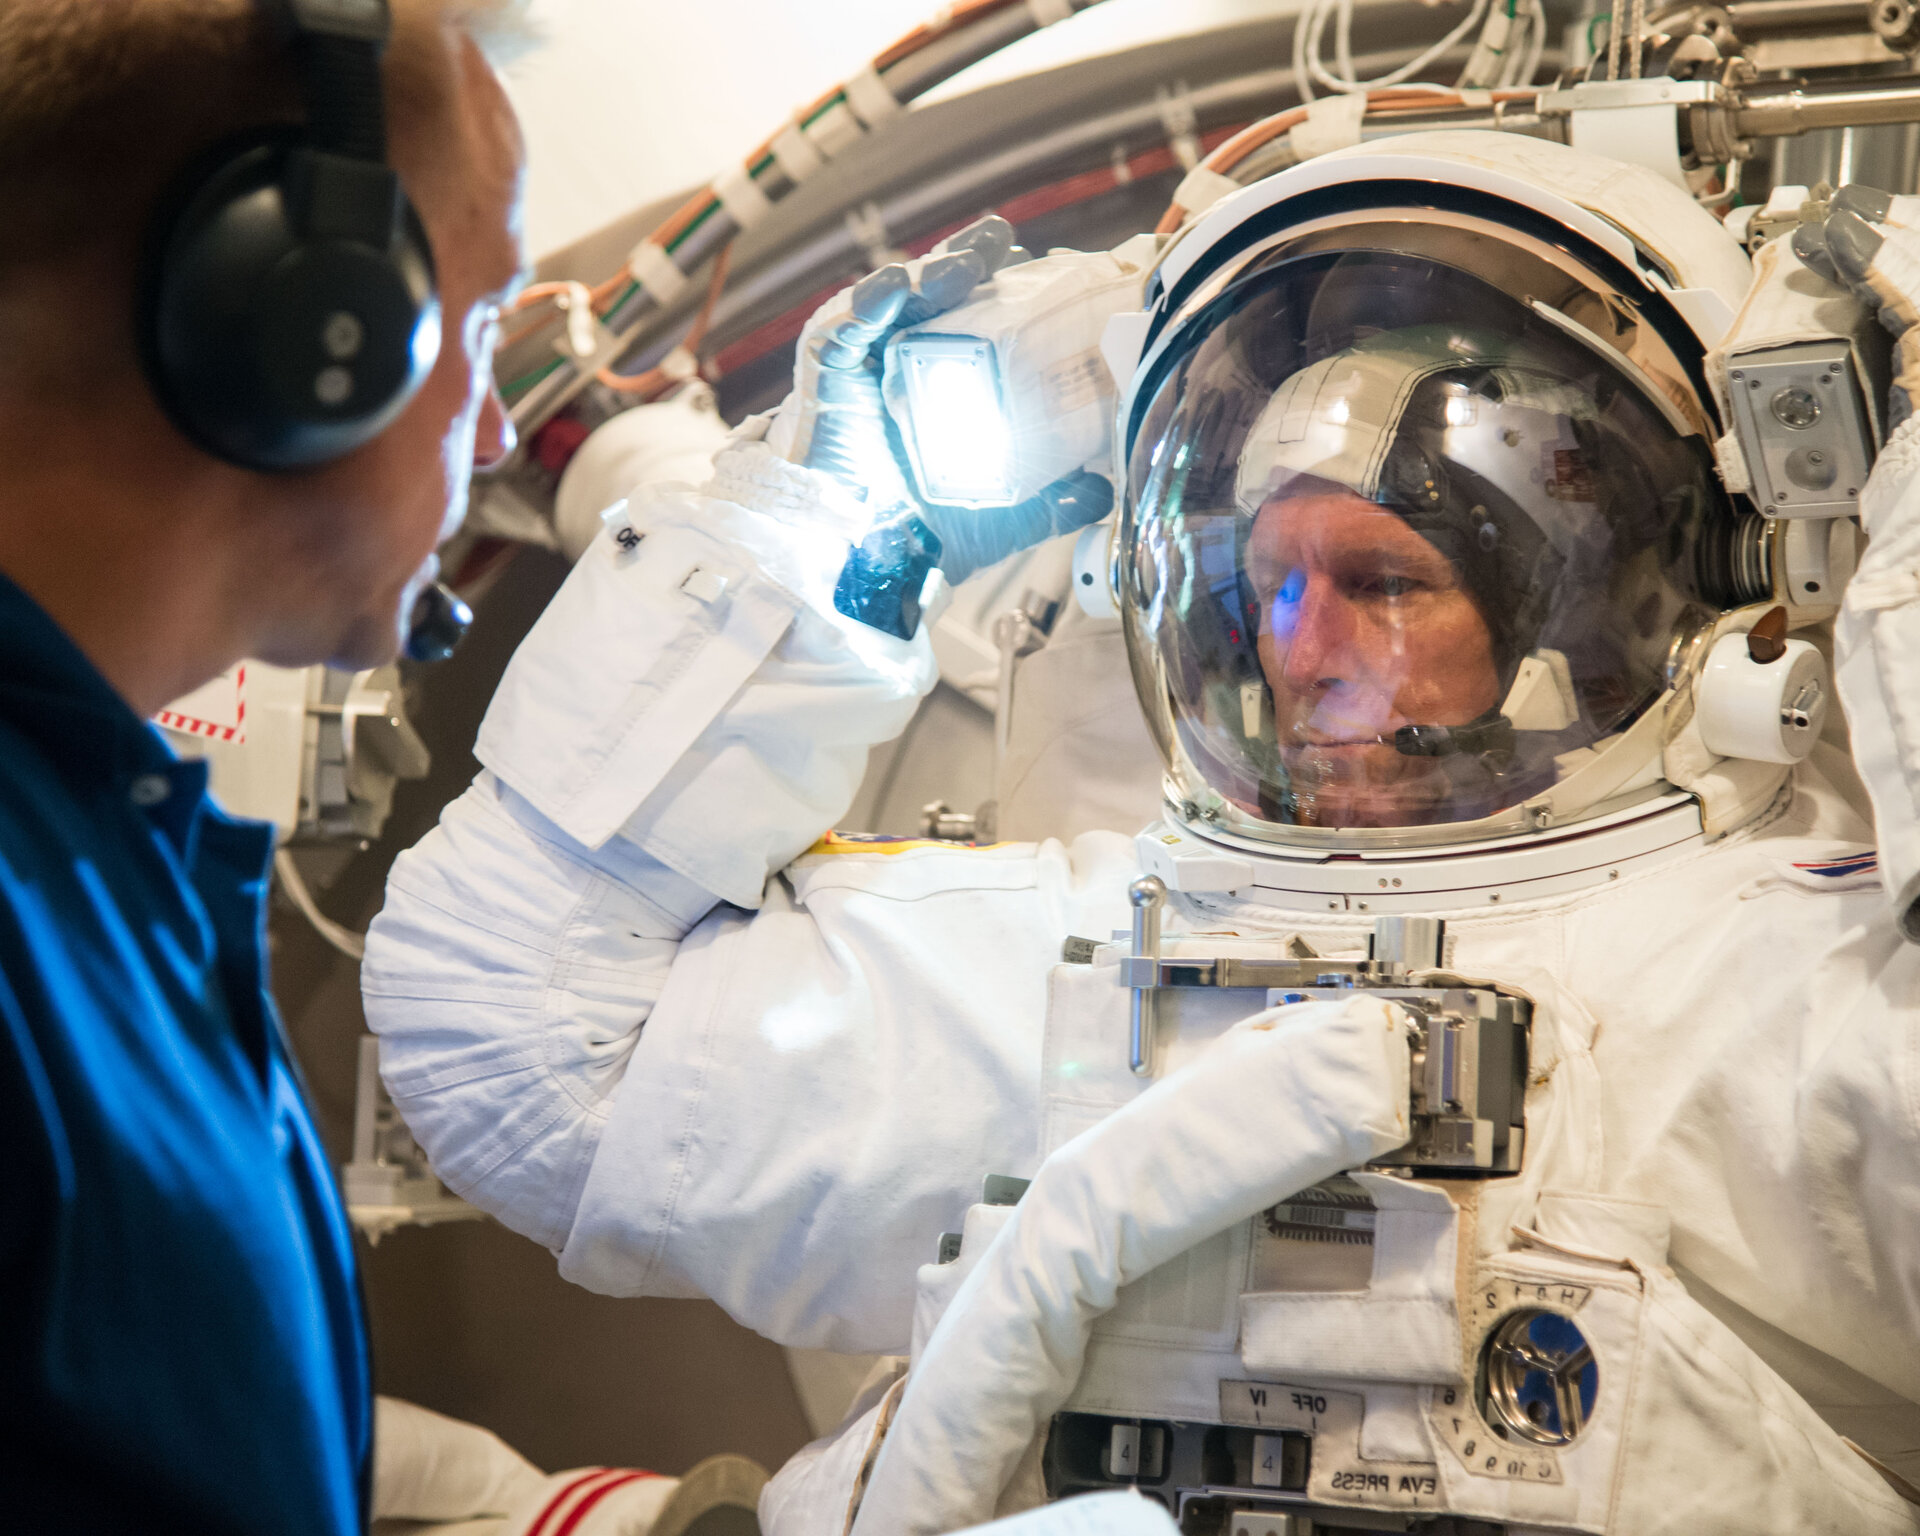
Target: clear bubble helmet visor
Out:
[1401,549]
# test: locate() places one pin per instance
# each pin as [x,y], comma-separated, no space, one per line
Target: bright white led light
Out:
[962,440]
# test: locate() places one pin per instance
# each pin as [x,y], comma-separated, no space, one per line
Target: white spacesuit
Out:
[1437,609]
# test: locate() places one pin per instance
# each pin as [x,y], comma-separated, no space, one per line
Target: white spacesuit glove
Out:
[1871,242]
[836,422]
[1282,1100]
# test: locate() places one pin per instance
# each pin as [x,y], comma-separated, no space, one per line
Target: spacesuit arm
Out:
[1877,650]
[688,716]
[1877,636]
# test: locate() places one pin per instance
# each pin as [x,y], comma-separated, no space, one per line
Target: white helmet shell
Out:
[1325,294]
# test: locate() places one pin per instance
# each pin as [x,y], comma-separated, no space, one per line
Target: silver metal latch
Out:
[1797,714]
[1469,1041]
[1148,895]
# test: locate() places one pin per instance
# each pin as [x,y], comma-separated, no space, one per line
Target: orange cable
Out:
[681,217]
[656,379]
[1387,101]
[534,293]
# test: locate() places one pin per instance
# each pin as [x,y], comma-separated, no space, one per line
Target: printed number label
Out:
[1469,1441]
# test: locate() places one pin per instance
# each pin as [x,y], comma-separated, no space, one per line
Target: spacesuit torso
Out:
[1681,1121]
[1651,1046]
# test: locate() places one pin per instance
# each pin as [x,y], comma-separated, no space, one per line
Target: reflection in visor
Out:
[1396,574]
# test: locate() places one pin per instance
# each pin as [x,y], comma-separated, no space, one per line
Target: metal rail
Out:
[1759,113]
[1751,18]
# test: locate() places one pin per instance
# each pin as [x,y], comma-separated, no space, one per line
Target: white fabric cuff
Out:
[701,679]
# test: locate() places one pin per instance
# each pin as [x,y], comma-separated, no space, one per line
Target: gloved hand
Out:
[1280,1101]
[836,422]
[1870,243]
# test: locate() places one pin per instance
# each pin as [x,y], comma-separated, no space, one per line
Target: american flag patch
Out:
[1839,869]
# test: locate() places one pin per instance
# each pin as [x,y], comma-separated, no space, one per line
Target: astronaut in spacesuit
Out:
[1425,563]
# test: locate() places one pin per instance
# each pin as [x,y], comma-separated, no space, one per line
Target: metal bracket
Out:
[1633,120]
[1149,974]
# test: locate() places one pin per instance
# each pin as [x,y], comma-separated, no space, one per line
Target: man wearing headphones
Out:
[245,370]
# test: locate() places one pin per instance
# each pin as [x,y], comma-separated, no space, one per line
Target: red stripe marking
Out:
[194,726]
[567,1491]
[580,1510]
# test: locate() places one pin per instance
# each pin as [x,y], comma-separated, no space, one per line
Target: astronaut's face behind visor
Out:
[1364,627]
[1399,551]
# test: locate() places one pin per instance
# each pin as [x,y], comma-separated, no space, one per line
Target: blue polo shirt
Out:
[181,1339]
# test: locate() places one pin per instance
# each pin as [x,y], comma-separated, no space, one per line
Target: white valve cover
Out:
[1768,712]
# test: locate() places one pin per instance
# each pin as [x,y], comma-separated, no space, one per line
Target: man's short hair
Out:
[103,103]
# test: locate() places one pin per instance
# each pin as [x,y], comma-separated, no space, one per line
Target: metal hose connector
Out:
[1736,560]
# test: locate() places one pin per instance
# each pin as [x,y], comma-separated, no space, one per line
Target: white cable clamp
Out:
[603,349]
[797,155]
[741,196]
[870,99]
[582,324]
[1333,122]
[1046,13]
[834,130]
[1181,122]
[657,273]
[1475,96]
[1201,188]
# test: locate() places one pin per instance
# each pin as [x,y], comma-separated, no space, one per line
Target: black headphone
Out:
[289,309]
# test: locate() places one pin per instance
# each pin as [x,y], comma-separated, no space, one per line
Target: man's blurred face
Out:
[1364,627]
[379,514]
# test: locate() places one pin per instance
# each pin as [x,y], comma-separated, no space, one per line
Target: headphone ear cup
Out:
[270,349]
